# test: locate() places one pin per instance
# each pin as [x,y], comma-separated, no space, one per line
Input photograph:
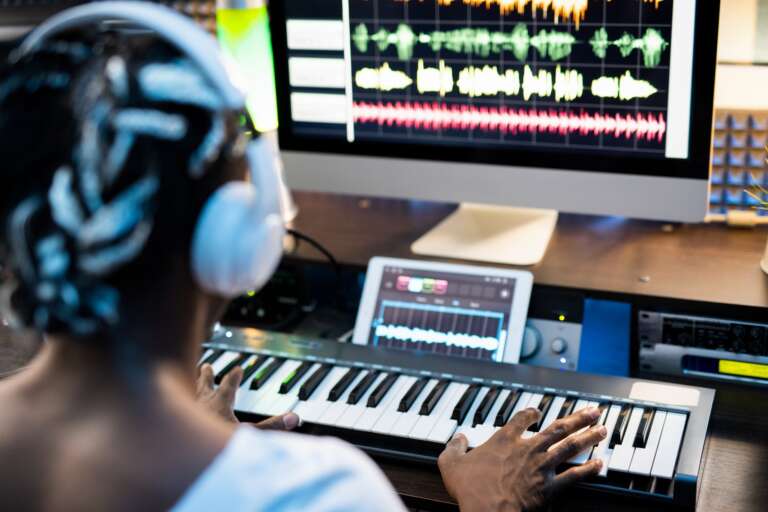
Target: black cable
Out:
[317,245]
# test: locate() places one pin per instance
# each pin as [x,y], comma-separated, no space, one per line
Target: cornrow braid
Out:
[125,121]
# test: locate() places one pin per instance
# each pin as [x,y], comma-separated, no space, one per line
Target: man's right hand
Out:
[512,474]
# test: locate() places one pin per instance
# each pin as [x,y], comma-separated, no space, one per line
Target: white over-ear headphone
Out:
[237,242]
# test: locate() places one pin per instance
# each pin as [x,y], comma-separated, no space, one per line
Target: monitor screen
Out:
[599,85]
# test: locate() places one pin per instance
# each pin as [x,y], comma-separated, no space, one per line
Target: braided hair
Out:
[110,145]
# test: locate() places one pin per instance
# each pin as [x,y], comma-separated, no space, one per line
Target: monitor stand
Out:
[493,234]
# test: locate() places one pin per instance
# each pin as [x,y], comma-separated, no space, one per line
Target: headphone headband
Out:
[177,30]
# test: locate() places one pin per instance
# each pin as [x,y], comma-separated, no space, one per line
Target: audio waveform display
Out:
[430,337]
[549,44]
[563,10]
[652,45]
[439,117]
[476,82]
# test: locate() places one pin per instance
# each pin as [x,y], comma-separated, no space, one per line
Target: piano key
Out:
[466,401]
[533,403]
[410,397]
[381,391]
[485,406]
[285,402]
[505,412]
[544,406]
[314,381]
[391,413]
[363,387]
[261,399]
[567,408]
[583,456]
[445,427]
[642,459]
[426,423]
[244,394]
[603,450]
[338,401]
[239,360]
[622,453]
[482,433]
[250,367]
[475,435]
[294,377]
[223,361]
[356,410]
[407,421]
[395,386]
[265,373]
[554,412]
[621,426]
[669,446]
[208,356]
[316,402]
[434,397]
[643,431]
[344,384]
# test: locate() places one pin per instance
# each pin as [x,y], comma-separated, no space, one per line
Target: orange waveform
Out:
[573,10]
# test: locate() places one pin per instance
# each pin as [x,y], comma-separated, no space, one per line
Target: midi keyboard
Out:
[408,405]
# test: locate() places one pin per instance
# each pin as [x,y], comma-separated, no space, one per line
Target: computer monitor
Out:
[587,106]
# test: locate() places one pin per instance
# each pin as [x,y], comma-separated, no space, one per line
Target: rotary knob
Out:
[558,345]
[531,342]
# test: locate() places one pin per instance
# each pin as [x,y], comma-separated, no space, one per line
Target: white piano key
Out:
[372,415]
[387,420]
[426,424]
[354,412]
[474,434]
[491,419]
[311,410]
[583,456]
[669,446]
[622,453]
[642,460]
[408,420]
[268,393]
[252,399]
[244,395]
[483,432]
[223,360]
[336,409]
[554,410]
[603,450]
[533,403]
[284,403]
[205,356]
[445,428]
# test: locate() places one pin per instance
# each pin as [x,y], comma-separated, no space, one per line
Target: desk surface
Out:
[706,263]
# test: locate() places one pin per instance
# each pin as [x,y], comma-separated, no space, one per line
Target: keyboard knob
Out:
[558,345]
[531,342]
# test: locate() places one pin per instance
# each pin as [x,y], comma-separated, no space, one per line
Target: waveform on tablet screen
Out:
[429,336]
[439,117]
[652,45]
[625,87]
[383,78]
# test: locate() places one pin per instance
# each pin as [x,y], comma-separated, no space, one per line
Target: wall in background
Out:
[743,31]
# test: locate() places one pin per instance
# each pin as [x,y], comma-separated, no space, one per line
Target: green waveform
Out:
[652,44]
[550,44]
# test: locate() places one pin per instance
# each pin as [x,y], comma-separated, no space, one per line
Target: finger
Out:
[205,379]
[457,447]
[562,428]
[520,422]
[287,421]
[230,383]
[574,445]
[576,474]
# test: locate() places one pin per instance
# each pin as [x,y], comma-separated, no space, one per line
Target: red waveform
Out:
[435,116]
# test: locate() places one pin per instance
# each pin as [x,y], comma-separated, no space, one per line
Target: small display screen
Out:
[444,313]
[726,368]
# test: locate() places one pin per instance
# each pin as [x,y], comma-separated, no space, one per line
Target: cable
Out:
[299,236]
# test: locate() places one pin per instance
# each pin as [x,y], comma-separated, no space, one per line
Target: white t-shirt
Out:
[278,472]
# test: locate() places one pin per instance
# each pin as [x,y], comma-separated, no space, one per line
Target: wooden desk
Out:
[709,265]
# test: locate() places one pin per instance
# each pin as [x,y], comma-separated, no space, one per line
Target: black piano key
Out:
[224,371]
[314,380]
[343,384]
[603,408]
[485,406]
[507,407]
[434,396]
[213,357]
[265,373]
[382,389]
[362,387]
[294,377]
[467,399]
[544,406]
[567,408]
[641,438]
[410,397]
[252,367]
[621,426]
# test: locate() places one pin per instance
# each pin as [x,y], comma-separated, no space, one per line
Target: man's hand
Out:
[221,400]
[512,474]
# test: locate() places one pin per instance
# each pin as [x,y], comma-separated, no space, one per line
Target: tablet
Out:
[443,308]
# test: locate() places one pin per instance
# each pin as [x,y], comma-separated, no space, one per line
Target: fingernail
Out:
[291,421]
[599,463]
[594,413]
[603,431]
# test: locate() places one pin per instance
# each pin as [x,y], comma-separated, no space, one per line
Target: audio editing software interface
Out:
[443,313]
[588,76]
